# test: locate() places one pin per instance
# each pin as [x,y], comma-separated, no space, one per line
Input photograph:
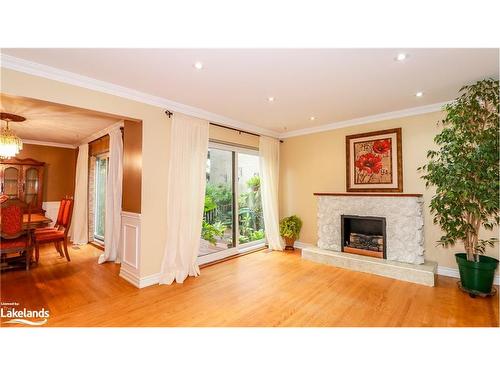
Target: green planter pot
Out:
[477,277]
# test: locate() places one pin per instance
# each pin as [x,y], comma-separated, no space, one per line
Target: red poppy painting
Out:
[374,161]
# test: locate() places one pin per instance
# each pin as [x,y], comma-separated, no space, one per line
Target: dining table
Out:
[37,221]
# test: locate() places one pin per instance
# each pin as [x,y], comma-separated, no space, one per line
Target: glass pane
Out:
[217,227]
[250,219]
[100,197]
[10,176]
[31,188]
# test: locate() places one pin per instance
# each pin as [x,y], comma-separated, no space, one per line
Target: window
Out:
[232,220]
[101,173]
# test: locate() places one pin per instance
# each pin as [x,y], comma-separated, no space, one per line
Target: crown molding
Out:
[101,133]
[45,71]
[50,144]
[366,120]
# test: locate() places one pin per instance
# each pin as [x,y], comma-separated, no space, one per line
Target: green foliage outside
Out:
[211,232]
[218,201]
[465,168]
[254,182]
[290,227]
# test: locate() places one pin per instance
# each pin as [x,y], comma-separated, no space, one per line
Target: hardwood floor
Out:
[259,289]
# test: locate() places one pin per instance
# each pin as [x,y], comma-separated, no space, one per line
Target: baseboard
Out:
[441,270]
[130,277]
[453,272]
[139,282]
[149,280]
[302,245]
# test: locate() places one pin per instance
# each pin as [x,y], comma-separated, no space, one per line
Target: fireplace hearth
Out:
[363,235]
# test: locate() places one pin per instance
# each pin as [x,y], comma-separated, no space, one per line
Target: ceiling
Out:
[331,85]
[56,123]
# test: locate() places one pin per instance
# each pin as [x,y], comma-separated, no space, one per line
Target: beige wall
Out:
[155,144]
[59,172]
[316,163]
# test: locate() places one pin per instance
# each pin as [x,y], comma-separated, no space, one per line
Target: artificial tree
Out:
[465,168]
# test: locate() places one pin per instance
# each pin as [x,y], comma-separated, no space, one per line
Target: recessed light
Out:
[401,57]
[312,118]
[198,65]
[419,94]
[270,99]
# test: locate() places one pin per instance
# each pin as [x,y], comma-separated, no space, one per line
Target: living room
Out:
[250,187]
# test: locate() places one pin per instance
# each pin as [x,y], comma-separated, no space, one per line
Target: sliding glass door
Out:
[232,220]
[218,220]
[250,220]
[101,174]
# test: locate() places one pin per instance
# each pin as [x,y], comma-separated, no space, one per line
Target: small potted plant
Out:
[465,172]
[290,229]
[254,183]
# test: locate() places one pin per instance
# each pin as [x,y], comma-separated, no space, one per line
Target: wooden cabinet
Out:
[23,179]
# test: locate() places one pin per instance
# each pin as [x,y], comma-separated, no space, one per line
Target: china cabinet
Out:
[23,179]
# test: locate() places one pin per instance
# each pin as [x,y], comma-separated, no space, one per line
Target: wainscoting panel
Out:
[51,210]
[130,247]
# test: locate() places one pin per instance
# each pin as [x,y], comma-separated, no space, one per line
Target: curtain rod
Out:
[169,114]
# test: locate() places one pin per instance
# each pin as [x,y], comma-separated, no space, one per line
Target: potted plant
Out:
[254,183]
[465,172]
[290,229]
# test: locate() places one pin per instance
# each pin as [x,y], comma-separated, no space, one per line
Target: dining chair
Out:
[16,236]
[58,235]
[57,225]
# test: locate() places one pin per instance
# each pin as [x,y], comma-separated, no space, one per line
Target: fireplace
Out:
[363,235]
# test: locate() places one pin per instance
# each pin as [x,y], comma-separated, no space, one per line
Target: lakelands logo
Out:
[17,315]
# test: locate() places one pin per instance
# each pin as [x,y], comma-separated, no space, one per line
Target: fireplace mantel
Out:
[367,195]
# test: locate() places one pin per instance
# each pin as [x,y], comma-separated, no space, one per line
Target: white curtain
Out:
[269,152]
[112,220]
[79,222]
[185,198]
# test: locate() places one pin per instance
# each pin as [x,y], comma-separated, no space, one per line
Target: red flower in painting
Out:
[369,163]
[382,146]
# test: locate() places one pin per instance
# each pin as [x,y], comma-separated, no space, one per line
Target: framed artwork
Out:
[374,161]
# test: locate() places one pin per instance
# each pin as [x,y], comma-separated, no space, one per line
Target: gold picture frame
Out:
[374,161]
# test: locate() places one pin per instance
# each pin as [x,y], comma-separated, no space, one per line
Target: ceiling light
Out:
[198,65]
[270,99]
[10,143]
[401,56]
[419,94]
[312,118]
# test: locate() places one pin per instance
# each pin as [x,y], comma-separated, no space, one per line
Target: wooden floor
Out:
[259,289]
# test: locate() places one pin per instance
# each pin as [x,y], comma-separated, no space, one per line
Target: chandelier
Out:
[10,143]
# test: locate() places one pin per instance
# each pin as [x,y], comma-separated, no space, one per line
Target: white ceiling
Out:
[50,122]
[330,84]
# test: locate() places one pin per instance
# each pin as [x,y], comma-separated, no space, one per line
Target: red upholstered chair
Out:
[59,233]
[57,225]
[14,237]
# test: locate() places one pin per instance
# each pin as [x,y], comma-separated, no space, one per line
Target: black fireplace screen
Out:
[365,233]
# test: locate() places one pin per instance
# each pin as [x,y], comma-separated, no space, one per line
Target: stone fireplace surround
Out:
[403,215]
[404,235]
